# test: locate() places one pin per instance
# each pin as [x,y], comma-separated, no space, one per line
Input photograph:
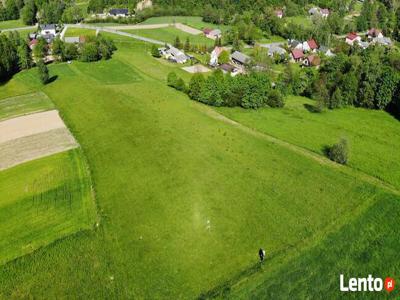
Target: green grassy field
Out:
[299,20]
[195,22]
[79,31]
[11,24]
[169,35]
[43,200]
[20,105]
[367,131]
[187,199]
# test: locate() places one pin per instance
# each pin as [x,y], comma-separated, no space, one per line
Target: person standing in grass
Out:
[261,254]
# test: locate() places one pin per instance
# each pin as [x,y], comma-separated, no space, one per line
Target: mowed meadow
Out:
[186,199]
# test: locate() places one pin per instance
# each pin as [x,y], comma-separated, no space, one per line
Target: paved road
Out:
[19,28]
[115,31]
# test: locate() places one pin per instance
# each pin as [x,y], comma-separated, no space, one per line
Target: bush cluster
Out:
[248,91]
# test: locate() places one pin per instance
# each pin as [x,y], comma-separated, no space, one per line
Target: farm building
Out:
[173,54]
[119,12]
[240,58]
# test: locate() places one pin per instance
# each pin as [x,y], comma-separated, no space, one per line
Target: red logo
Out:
[389,284]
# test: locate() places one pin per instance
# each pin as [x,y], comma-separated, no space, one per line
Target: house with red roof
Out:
[215,55]
[33,43]
[279,13]
[310,45]
[352,37]
[297,55]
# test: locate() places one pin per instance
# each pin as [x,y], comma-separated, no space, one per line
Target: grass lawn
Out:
[299,20]
[195,22]
[186,199]
[79,31]
[366,130]
[169,35]
[20,105]
[43,200]
[12,24]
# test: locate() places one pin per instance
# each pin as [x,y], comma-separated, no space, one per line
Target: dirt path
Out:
[302,151]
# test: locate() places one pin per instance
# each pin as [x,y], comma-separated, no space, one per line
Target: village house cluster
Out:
[372,37]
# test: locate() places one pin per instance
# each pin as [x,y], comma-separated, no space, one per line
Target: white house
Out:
[175,55]
[215,55]
[48,29]
[352,38]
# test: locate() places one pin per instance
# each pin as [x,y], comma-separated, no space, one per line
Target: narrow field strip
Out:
[28,125]
[35,146]
[24,104]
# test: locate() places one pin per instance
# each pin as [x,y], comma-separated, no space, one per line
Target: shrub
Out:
[172,79]
[275,99]
[339,152]
[195,85]
[155,52]
[43,72]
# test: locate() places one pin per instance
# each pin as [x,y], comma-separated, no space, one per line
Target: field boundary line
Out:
[300,150]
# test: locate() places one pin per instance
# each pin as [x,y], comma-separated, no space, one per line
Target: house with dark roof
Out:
[119,12]
[325,51]
[47,29]
[240,58]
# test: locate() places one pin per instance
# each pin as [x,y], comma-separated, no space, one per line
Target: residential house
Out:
[352,38]
[297,55]
[274,49]
[49,38]
[374,33]
[324,12]
[383,41]
[279,13]
[295,44]
[314,11]
[119,12]
[312,61]
[325,51]
[310,45]
[33,43]
[175,55]
[240,58]
[212,33]
[215,55]
[48,29]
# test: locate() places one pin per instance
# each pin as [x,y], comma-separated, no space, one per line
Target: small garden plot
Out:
[20,105]
[196,69]
[109,72]
[42,201]
[33,136]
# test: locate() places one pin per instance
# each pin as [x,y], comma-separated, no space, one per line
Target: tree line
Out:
[367,78]
[253,90]
[16,54]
